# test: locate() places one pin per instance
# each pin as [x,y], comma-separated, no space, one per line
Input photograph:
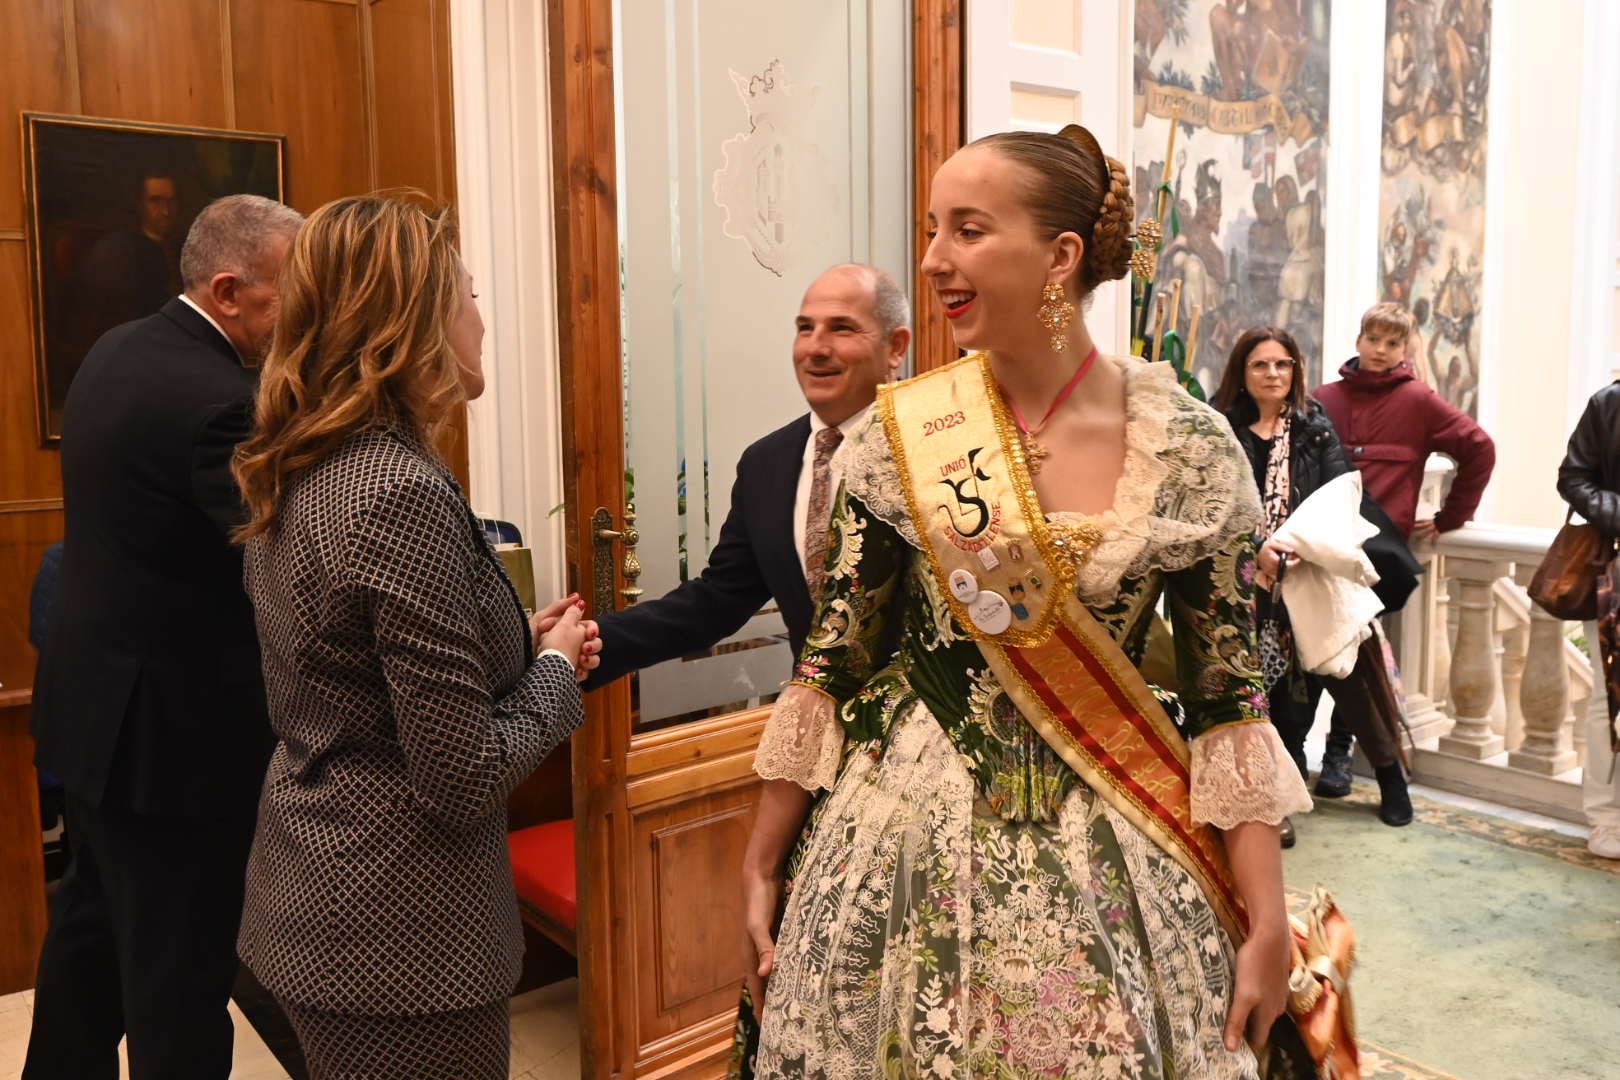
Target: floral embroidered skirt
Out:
[926,936]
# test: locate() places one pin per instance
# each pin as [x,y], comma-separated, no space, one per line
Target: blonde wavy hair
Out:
[369,291]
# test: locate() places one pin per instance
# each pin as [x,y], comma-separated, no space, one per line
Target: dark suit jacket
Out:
[754,561]
[148,695]
[43,595]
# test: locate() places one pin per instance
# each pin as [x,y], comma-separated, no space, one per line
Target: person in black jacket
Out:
[1294,450]
[851,334]
[1589,480]
[148,702]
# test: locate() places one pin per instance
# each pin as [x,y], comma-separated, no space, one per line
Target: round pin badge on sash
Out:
[990,612]
[964,586]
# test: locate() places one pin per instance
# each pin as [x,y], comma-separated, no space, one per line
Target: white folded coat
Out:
[1328,593]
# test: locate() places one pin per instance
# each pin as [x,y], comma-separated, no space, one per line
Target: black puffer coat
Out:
[1315,455]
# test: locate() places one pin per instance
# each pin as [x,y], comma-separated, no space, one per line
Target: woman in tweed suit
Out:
[403,685]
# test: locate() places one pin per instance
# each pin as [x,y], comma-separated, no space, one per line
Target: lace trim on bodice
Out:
[870,475]
[1184,493]
[1242,772]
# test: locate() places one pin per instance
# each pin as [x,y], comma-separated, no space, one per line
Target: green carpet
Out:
[1486,950]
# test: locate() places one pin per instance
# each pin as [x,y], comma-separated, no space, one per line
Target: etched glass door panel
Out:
[758,144]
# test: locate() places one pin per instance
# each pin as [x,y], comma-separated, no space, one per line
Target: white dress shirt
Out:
[194,306]
[801,501]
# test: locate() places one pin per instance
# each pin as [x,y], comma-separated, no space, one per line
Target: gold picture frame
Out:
[108,204]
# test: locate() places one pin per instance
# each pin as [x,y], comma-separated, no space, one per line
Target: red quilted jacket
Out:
[1390,423]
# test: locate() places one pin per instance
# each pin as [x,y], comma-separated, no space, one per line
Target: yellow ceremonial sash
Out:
[969,492]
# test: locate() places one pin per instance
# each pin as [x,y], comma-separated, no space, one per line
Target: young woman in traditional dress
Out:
[1028,862]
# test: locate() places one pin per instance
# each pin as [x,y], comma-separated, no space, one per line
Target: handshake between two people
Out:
[562,625]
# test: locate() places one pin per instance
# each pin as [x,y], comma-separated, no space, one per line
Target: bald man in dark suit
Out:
[850,335]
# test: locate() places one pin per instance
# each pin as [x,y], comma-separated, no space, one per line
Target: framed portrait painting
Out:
[109,205]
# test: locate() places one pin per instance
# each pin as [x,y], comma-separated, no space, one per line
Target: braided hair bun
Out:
[1108,254]
[1076,188]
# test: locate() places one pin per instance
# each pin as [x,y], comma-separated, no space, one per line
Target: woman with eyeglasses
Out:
[1293,449]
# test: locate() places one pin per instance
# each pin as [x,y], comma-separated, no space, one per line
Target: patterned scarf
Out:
[1274,492]
[1275,638]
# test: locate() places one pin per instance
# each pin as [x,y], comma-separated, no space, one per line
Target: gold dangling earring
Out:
[1055,314]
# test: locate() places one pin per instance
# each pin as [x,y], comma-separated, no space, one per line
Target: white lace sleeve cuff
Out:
[1242,772]
[803,740]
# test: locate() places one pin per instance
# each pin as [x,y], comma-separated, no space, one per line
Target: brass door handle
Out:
[603,534]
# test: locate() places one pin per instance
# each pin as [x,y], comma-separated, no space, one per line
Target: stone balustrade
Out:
[1493,683]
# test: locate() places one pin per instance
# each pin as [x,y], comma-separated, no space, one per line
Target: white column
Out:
[503,181]
[1476,680]
[1544,694]
[1352,179]
[1440,636]
[1515,649]
[1425,693]
[1597,188]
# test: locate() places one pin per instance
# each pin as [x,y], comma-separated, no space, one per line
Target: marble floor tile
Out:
[16,1015]
[564,1065]
[252,1060]
[545,1037]
[1506,813]
[545,1032]
[1316,742]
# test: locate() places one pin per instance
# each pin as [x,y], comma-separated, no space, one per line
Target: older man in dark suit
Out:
[850,335]
[149,703]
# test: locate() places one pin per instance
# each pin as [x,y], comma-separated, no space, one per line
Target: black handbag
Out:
[1397,567]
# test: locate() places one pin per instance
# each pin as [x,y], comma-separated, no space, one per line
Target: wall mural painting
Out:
[1247,84]
[1431,237]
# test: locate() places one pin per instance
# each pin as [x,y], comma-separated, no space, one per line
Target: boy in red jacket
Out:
[1389,423]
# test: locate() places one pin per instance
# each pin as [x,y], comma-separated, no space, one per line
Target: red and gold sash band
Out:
[1082,694]
[1009,582]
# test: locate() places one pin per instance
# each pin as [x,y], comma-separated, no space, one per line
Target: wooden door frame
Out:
[584,172]
[939,115]
[580,42]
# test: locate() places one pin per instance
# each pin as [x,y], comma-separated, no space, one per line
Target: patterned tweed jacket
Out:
[407,706]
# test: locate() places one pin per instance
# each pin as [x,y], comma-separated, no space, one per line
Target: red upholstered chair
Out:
[543,873]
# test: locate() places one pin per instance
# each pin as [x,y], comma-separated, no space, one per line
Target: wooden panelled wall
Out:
[360,88]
